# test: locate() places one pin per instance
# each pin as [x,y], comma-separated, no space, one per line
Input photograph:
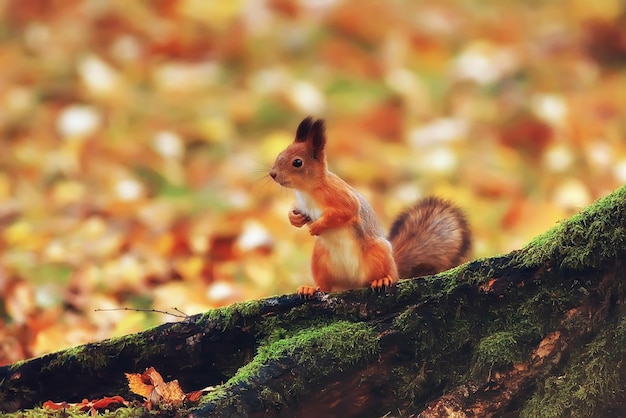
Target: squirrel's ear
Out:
[318,136]
[308,130]
[304,129]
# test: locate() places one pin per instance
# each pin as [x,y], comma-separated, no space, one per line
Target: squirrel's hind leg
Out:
[380,284]
[383,271]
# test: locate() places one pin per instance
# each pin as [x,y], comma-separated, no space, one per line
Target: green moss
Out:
[17,364]
[299,313]
[495,350]
[586,240]
[346,342]
[276,330]
[75,412]
[248,308]
[85,355]
[413,383]
[145,352]
[316,352]
[96,356]
[408,321]
[539,309]
[408,289]
[228,316]
[591,379]
[271,397]
[453,275]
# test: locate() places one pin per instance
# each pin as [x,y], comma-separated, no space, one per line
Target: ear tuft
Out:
[304,129]
[315,132]
[318,134]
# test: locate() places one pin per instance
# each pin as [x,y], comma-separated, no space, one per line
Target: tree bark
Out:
[537,332]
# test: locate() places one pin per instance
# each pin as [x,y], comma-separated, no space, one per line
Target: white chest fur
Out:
[346,257]
[307,206]
[341,245]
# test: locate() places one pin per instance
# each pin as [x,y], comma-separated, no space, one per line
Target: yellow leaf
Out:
[218,14]
[19,233]
[171,393]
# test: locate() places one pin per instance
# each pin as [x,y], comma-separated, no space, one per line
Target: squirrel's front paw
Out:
[307,292]
[298,219]
[315,229]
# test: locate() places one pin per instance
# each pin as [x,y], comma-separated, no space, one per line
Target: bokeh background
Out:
[136,137]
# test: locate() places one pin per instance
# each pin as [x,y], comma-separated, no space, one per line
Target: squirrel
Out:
[351,249]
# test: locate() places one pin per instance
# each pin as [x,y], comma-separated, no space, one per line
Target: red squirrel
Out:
[351,249]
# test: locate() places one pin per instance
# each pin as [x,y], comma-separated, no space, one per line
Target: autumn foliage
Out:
[92,407]
[136,139]
[149,385]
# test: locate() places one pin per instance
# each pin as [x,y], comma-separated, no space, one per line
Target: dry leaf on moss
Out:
[102,404]
[151,386]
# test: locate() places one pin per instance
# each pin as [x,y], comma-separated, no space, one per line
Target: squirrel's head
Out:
[304,160]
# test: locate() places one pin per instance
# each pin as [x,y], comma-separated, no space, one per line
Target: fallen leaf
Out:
[102,404]
[153,377]
[108,403]
[170,393]
[151,386]
[55,405]
[137,386]
[194,396]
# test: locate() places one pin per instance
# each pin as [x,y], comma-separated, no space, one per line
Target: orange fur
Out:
[351,249]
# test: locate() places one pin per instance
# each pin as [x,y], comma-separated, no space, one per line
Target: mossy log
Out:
[537,332]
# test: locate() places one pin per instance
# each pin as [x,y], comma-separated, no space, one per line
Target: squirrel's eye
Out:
[297,162]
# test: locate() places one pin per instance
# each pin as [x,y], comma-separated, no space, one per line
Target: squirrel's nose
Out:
[273,174]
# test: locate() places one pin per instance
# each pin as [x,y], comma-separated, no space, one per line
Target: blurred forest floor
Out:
[136,137]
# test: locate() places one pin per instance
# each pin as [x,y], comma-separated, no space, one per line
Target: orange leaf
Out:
[137,385]
[152,387]
[194,396]
[107,402]
[152,376]
[55,405]
[84,406]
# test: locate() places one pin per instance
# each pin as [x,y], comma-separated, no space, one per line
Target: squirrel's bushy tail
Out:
[429,237]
